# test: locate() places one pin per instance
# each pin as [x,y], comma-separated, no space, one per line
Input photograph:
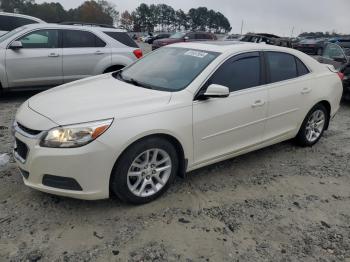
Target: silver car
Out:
[10,21]
[45,55]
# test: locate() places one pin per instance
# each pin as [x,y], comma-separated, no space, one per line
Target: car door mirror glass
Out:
[16,45]
[217,91]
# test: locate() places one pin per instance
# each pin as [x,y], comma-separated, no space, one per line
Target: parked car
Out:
[157,37]
[10,21]
[338,55]
[267,39]
[45,55]
[184,37]
[232,37]
[179,108]
[311,46]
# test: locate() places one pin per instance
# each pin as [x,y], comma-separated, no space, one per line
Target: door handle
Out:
[54,55]
[99,53]
[306,90]
[258,103]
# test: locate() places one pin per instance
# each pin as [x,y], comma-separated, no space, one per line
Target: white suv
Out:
[45,55]
[10,21]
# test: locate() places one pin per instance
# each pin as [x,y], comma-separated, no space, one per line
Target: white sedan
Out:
[180,108]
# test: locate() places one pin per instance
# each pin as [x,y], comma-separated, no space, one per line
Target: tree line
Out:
[145,17]
[100,11]
[163,17]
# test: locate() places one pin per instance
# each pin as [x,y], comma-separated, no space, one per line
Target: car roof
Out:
[229,46]
[80,27]
[23,16]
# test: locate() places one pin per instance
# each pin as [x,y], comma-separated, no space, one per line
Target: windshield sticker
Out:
[196,53]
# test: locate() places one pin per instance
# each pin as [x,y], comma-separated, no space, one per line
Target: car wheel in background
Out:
[145,170]
[313,126]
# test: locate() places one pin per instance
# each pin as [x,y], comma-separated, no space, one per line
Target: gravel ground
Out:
[282,203]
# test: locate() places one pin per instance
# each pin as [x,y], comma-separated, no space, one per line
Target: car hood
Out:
[96,98]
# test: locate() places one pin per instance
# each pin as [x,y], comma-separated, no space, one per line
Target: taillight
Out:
[341,75]
[138,53]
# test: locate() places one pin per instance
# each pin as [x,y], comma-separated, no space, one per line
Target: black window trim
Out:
[263,73]
[81,30]
[267,69]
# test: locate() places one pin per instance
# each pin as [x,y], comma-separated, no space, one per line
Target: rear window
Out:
[123,38]
[8,23]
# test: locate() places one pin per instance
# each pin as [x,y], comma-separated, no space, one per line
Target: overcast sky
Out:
[270,16]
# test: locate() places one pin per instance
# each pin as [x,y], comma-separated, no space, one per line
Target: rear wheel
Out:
[313,126]
[145,171]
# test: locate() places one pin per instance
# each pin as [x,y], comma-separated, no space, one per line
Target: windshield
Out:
[168,69]
[11,33]
[178,35]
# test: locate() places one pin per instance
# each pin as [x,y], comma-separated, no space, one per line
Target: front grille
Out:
[28,130]
[21,149]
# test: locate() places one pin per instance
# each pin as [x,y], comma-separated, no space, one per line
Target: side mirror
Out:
[16,45]
[216,91]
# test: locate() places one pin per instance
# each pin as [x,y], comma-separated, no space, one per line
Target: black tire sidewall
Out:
[301,137]
[119,175]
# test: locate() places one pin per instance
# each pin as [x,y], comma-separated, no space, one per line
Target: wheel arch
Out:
[328,106]
[171,138]
[113,68]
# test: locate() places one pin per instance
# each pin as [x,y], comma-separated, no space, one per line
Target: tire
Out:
[138,181]
[312,127]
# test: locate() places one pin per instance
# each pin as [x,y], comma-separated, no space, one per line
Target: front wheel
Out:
[145,171]
[313,126]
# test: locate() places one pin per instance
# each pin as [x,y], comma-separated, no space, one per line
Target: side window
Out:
[191,36]
[281,66]
[302,69]
[75,39]
[239,72]
[123,38]
[40,39]
[7,23]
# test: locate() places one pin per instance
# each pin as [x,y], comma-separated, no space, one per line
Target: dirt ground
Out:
[282,203]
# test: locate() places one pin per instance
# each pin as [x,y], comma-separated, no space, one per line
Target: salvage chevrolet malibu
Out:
[185,106]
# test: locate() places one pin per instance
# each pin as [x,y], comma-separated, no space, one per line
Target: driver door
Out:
[38,62]
[222,126]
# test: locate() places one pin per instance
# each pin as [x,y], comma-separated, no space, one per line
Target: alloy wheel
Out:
[149,172]
[315,125]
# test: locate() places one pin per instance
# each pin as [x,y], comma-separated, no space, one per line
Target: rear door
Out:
[289,93]
[38,63]
[84,53]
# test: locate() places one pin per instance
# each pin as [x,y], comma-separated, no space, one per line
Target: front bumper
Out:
[90,166]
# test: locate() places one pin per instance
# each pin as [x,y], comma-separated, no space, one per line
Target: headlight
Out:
[74,135]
